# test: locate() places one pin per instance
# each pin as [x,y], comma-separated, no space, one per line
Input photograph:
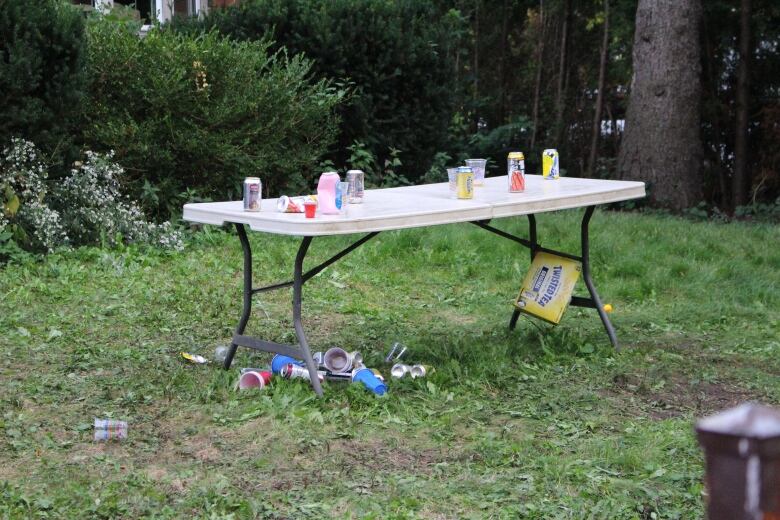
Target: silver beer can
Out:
[356,180]
[253,193]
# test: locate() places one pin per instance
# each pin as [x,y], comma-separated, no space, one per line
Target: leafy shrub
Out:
[185,112]
[398,57]
[85,207]
[41,74]
[377,175]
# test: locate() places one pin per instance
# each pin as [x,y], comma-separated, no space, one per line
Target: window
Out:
[185,7]
[144,7]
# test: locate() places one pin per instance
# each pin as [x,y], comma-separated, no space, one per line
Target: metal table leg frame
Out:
[299,279]
[296,305]
[533,247]
[247,292]
[589,282]
[594,301]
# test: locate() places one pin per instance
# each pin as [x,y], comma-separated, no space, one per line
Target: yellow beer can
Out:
[551,170]
[465,180]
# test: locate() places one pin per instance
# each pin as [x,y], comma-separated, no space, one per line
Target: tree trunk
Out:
[560,98]
[741,181]
[538,81]
[596,131]
[662,142]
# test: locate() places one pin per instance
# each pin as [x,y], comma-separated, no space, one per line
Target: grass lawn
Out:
[544,422]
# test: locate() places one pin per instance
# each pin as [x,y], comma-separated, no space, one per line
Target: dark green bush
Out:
[41,74]
[398,56]
[192,115]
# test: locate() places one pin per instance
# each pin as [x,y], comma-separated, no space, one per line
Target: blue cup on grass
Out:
[370,381]
[279,361]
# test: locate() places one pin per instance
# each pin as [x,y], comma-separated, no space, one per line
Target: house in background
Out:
[159,10]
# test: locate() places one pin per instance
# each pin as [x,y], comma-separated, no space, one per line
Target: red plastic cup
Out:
[254,380]
[309,208]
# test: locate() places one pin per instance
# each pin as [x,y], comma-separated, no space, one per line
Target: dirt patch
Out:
[451,315]
[375,453]
[677,396]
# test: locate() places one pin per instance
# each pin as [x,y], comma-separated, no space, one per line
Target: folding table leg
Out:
[534,246]
[247,292]
[589,282]
[297,294]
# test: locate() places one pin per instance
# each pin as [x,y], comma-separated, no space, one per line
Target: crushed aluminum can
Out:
[400,370]
[110,429]
[420,370]
[317,357]
[194,358]
[287,204]
[290,371]
[378,374]
[345,377]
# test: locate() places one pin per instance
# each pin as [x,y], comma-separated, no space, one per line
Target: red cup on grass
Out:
[254,380]
[309,207]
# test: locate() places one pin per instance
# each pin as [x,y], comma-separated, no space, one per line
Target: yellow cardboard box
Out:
[547,287]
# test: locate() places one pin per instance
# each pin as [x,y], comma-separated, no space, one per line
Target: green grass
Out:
[544,422]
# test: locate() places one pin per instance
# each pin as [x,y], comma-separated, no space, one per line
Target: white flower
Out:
[91,205]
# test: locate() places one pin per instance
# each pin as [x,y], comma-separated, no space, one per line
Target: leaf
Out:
[23,332]
[12,206]
[54,333]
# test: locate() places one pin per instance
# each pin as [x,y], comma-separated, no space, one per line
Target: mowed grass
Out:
[543,422]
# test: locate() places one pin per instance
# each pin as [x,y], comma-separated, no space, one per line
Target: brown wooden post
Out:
[742,451]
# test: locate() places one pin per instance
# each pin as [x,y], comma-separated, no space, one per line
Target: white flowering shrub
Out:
[87,207]
[97,211]
[24,194]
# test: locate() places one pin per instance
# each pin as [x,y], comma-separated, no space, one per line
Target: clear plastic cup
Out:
[478,167]
[452,174]
[343,194]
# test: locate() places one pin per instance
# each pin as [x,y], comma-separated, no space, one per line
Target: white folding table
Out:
[410,207]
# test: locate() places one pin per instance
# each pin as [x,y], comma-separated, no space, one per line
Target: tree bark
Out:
[538,81]
[741,180]
[560,98]
[662,142]
[596,131]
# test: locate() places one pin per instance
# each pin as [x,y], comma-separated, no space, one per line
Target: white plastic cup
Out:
[478,167]
[337,360]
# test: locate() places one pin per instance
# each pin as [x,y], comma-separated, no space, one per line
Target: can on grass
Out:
[515,169]
[550,168]
[253,189]
[465,181]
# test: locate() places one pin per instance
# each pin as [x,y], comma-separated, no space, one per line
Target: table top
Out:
[423,205]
